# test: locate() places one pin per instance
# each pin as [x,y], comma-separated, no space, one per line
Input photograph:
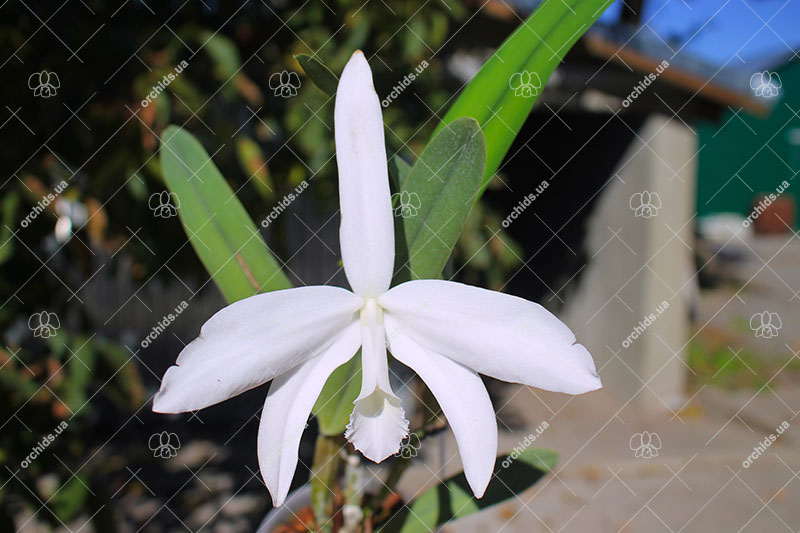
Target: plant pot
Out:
[298,501]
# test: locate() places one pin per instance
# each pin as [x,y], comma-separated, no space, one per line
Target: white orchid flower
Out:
[446,332]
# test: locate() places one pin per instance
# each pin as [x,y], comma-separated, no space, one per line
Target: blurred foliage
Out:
[712,361]
[99,134]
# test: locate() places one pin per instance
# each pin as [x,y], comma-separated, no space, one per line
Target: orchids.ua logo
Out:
[406,204]
[42,204]
[42,445]
[645,444]
[765,324]
[164,445]
[284,202]
[284,83]
[525,84]
[523,204]
[163,83]
[764,203]
[44,324]
[524,444]
[766,84]
[164,204]
[642,86]
[644,323]
[403,84]
[162,324]
[645,204]
[409,447]
[44,84]
[765,443]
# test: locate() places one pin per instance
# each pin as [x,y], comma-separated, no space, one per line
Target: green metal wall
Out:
[743,155]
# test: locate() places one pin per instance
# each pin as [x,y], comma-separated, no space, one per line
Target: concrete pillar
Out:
[631,308]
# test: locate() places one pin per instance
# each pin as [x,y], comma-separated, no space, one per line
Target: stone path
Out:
[697,482]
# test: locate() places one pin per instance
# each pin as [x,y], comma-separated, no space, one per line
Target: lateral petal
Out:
[496,334]
[252,341]
[463,399]
[289,402]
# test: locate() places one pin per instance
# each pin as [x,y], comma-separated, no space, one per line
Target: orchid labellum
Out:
[448,333]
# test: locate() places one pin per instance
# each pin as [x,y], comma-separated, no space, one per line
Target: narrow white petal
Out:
[366,233]
[463,399]
[496,334]
[286,410]
[378,423]
[252,341]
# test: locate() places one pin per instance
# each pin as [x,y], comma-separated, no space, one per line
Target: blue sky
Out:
[758,30]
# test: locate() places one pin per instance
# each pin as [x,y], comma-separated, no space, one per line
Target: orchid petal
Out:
[286,410]
[378,423]
[232,354]
[463,399]
[366,233]
[496,334]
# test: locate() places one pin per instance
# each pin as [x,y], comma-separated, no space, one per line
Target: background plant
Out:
[263,145]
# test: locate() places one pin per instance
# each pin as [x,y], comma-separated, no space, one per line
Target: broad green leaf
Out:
[319,73]
[502,93]
[231,249]
[436,197]
[335,402]
[398,172]
[222,234]
[452,499]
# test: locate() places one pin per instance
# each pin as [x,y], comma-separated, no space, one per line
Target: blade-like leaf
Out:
[221,232]
[502,93]
[436,197]
[398,171]
[452,499]
[231,249]
[319,73]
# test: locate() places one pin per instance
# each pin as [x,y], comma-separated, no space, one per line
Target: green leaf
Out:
[452,499]
[319,73]
[81,365]
[335,402]
[70,498]
[223,53]
[231,249]
[220,230]
[536,47]
[398,171]
[438,194]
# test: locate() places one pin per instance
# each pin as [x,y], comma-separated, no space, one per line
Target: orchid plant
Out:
[445,331]
[448,333]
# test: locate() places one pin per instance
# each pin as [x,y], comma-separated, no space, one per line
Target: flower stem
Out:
[324,470]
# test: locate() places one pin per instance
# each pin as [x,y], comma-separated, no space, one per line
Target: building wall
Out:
[744,154]
[631,306]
